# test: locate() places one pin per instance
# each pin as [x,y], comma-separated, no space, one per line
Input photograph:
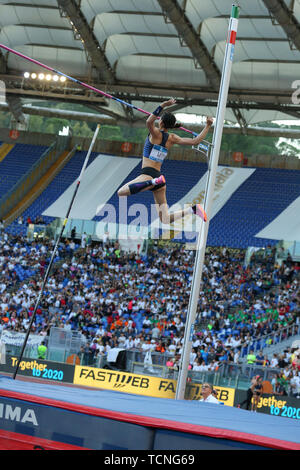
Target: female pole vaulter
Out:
[157,145]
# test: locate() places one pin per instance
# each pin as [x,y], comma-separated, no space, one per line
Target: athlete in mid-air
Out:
[157,145]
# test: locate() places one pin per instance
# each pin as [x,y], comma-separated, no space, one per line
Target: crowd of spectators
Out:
[130,301]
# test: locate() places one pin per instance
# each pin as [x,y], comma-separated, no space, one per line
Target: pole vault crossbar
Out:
[83,84]
[202,236]
[204,147]
[55,249]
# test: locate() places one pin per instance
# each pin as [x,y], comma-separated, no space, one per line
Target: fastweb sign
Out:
[124,382]
[142,384]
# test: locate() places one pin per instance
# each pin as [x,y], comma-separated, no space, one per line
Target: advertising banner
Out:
[276,405]
[228,180]
[47,370]
[15,338]
[286,226]
[92,196]
[25,425]
[225,395]
[142,384]
[124,382]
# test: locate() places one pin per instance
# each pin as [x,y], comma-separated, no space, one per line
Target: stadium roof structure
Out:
[145,51]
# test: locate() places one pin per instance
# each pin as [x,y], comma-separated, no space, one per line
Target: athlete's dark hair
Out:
[169,121]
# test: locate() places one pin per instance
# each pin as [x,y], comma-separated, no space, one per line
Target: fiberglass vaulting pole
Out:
[83,84]
[202,236]
[55,248]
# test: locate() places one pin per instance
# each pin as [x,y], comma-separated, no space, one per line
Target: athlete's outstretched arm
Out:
[150,123]
[196,140]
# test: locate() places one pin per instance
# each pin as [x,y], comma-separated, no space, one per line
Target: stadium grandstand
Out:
[96,290]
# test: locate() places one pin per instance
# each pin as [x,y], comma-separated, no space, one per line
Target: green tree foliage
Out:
[288,148]
[4,120]
[249,144]
[259,144]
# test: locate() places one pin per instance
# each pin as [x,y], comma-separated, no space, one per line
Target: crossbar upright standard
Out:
[202,236]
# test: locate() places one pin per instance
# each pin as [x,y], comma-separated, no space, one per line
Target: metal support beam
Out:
[191,38]
[273,100]
[15,107]
[148,92]
[140,123]
[240,118]
[3,63]
[285,18]
[88,38]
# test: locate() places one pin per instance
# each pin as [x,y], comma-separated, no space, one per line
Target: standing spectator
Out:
[251,358]
[281,362]
[155,333]
[129,344]
[266,361]
[274,361]
[207,394]
[274,382]
[42,350]
[260,359]
[295,385]
[105,239]
[279,388]
[248,399]
[83,240]
[257,393]
[296,361]
[237,356]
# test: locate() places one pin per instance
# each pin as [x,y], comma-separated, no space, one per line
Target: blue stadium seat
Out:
[18,161]
[260,199]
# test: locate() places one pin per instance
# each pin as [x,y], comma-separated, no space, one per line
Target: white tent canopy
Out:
[148,57]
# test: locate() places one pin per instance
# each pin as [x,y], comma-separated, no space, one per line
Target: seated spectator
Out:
[101,290]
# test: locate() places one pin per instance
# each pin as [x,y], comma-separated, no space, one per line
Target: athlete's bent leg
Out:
[141,183]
